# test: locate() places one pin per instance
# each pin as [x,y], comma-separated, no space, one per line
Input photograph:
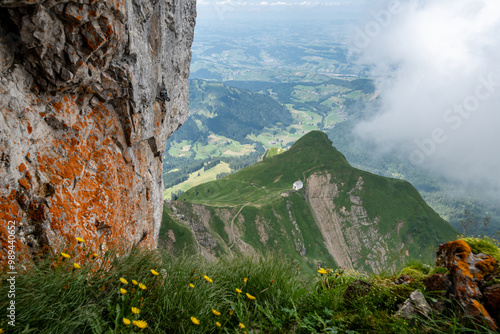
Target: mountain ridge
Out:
[343,216]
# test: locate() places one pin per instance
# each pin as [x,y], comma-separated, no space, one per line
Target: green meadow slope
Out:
[342,217]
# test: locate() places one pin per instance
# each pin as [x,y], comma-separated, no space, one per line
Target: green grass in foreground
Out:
[187,294]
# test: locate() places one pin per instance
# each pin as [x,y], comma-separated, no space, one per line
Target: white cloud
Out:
[433,61]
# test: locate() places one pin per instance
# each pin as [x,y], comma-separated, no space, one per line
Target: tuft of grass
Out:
[484,245]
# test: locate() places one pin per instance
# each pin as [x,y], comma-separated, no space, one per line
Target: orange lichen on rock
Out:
[487,266]
[477,311]
[453,251]
[11,214]
[95,139]
[467,270]
[93,182]
[24,183]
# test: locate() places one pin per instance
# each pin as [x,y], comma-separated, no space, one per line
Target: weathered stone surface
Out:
[82,132]
[468,272]
[414,306]
[492,300]
[403,280]
[438,282]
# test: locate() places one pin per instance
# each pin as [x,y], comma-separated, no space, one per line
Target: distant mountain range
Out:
[342,217]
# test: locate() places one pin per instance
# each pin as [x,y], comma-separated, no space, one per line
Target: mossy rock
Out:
[418,265]
[414,273]
[401,292]
[484,245]
[439,270]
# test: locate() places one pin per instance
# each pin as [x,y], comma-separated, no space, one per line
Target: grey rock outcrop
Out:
[89,92]
[416,305]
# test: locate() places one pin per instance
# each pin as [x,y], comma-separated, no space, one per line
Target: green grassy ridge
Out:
[267,179]
[60,299]
[387,201]
[271,152]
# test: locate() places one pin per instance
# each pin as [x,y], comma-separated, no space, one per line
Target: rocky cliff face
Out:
[352,238]
[89,92]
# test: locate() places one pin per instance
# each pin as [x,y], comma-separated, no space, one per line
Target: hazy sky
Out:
[437,66]
[269,9]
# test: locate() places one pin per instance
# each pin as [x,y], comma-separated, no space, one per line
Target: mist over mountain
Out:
[306,67]
[436,66]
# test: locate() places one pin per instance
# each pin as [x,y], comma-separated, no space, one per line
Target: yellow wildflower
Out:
[191,285]
[76,265]
[134,282]
[195,321]
[67,256]
[79,240]
[140,323]
[126,321]
[245,279]
[322,271]
[218,324]
[241,325]
[123,280]
[154,272]
[123,291]
[238,290]
[208,279]
[231,312]
[250,296]
[215,312]
[135,310]
[142,286]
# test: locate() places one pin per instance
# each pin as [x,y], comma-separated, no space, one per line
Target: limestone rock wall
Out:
[89,92]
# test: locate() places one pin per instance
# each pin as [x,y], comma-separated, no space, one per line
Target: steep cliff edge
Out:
[89,92]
